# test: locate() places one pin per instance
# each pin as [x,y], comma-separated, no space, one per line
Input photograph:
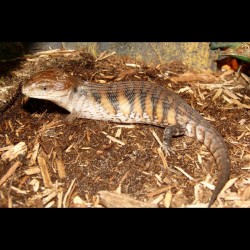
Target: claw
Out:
[167,150]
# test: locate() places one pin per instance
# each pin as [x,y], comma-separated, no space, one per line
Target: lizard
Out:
[132,102]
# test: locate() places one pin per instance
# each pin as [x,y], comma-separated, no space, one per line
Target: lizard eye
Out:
[44,88]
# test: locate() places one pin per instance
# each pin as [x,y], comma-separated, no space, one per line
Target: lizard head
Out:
[50,85]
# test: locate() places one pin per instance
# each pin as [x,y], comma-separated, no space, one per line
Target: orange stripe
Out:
[137,105]
[123,103]
[149,106]
[171,116]
[159,110]
[107,105]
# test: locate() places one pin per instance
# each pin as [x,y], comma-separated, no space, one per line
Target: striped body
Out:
[137,102]
[131,102]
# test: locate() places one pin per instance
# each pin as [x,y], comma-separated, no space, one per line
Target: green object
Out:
[239,50]
[220,45]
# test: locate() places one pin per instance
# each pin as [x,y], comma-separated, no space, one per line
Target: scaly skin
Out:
[132,102]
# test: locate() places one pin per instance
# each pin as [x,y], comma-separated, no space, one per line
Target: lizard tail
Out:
[218,148]
[220,152]
[215,143]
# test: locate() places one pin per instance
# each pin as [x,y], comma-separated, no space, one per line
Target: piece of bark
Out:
[60,169]
[32,170]
[68,194]
[125,73]
[159,191]
[44,171]
[10,172]
[115,200]
[34,154]
[16,150]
